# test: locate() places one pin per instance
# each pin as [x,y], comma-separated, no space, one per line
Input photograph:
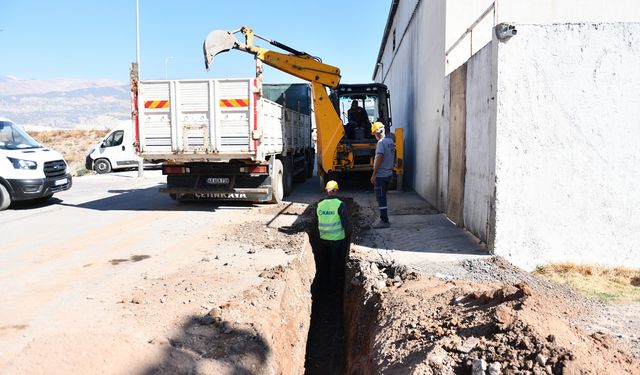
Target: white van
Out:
[114,151]
[28,170]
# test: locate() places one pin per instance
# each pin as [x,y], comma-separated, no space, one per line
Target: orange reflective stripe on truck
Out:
[156,104]
[234,102]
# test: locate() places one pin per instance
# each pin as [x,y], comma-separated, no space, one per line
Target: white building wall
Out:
[469,28]
[568,130]
[480,145]
[567,11]
[414,74]
[470,23]
[552,122]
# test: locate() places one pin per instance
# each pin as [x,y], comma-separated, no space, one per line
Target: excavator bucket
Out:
[217,41]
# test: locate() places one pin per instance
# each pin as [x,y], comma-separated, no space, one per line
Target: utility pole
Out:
[166,61]
[140,162]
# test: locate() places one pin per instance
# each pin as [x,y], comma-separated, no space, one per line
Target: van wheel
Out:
[5,198]
[102,166]
[277,192]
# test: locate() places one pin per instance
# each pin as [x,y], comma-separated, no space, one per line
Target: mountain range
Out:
[64,103]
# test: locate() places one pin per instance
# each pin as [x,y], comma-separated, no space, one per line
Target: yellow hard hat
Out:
[376,126]
[331,185]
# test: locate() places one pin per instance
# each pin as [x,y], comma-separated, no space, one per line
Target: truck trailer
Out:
[221,139]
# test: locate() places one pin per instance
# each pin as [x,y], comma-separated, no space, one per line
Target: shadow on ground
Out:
[149,199]
[207,345]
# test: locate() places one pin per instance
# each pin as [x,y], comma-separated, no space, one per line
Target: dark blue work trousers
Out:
[382,185]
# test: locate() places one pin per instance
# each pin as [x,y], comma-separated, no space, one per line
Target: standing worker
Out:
[335,229]
[382,172]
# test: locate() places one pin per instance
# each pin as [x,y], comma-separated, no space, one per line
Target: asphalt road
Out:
[67,266]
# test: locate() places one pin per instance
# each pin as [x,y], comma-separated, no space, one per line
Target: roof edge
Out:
[387,29]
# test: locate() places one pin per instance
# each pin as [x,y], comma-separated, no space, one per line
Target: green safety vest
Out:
[329,223]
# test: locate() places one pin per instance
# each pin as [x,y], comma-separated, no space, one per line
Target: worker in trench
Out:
[335,230]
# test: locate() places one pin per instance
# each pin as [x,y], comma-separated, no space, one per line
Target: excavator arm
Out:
[299,64]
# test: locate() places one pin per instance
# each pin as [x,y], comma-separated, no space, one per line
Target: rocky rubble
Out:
[427,325]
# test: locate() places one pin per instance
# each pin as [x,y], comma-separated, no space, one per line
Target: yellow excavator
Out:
[342,145]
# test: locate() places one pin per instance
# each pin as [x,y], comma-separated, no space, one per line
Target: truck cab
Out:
[28,170]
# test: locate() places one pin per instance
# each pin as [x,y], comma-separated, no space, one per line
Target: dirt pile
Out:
[432,326]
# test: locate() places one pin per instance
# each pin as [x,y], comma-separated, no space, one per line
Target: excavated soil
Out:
[390,320]
[424,325]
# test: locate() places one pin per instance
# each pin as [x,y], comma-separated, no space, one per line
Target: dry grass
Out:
[72,144]
[619,284]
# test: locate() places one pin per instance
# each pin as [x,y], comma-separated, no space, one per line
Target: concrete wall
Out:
[551,124]
[567,161]
[414,73]
[567,11]
[443,149]
[480,144]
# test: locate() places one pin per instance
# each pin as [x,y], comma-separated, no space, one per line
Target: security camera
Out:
[505,31]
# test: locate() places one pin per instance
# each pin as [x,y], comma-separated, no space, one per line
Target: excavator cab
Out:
[372,97]
[357,147]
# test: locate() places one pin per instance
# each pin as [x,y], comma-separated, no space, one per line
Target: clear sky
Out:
[95,39]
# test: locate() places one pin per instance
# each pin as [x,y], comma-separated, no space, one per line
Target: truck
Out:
[342,147]
[221,139]
[28,170]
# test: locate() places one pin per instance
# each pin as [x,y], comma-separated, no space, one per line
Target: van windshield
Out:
[14,138]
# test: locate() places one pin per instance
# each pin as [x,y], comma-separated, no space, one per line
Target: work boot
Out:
[380,224]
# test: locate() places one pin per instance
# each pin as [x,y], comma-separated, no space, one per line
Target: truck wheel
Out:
[5,198]
[287,179]
[102,166]
[277,192]
[302,176]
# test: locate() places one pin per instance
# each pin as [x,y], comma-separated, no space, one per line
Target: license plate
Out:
[61,182]
[217,180]
[222,195]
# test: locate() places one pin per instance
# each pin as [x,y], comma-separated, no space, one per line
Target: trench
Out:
[294,322]
[343,325]
[343,317]
[325,342]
